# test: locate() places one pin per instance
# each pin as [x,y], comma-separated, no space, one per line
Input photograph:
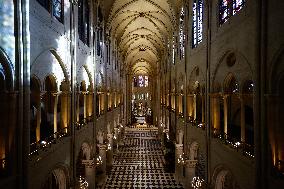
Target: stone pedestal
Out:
[115,141]
[90,172]
[190,166]
[109,153]
[102,168]
[178,166]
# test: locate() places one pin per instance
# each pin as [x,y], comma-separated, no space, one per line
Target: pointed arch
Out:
[7,71]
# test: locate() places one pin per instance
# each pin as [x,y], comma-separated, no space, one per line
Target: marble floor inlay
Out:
[140,163]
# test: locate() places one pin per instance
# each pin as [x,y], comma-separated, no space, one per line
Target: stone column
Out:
[243,120]
[90,172]
[109,152]
[38,117]
[85,104]
[203,108]
[102,153]
[178,167]
[189,106]
[190,166]
[90,103]
[194,107]
[8,124]
[225,114]
[55,113]
[38,121]
[78,107]
[215,111]
[64,109]
[273,109]
[116,138]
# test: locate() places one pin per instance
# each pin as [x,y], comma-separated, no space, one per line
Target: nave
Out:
[140,162]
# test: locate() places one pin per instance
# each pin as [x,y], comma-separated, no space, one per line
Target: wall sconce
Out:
[197,182]
[83,183]
[99,161]
[108,147]
[181,160]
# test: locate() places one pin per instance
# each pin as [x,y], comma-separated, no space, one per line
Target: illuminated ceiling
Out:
[141,28]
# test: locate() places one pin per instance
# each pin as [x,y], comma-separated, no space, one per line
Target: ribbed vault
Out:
[141,28]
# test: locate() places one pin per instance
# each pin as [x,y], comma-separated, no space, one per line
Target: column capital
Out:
[66,93]
[102,146]
[225,95]
[215,95]
[89,163]
[190,163]
[42,93]
[178,146]
[84,92]
[55,94]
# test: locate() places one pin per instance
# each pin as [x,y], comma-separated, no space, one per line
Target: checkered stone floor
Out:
[139,163]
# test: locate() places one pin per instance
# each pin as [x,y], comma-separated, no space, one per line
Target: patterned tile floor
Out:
[139,163]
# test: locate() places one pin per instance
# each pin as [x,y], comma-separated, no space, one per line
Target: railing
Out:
[82,123]
[195,123]
[181,115]
[246,149]
[47,142]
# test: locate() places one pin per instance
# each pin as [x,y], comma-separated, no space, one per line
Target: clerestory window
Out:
[228,8]
[55,7]
[197,22]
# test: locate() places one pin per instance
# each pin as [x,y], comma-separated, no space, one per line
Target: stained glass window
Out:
[55,7]
[181,34]
[83,21]
[194,22]
[58,9]
[197,22]
[141,81]
[228,8]
[200,21]
[224,9]
[238,5]
[146,81]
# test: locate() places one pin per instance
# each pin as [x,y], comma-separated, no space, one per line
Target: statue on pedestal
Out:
[100,137]
[180,136]
[108,129]
[193,151]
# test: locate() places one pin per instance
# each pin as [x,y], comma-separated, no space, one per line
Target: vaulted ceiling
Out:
[141,29]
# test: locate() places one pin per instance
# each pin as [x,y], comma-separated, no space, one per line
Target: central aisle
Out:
[140,162]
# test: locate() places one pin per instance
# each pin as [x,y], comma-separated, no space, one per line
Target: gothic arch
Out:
[61,63]
[80,76]
[275,111]
[6,71]
[52,57]
[230,82]
[85,153]
[57,178]
[232,61]
[223,178]
[277,71]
